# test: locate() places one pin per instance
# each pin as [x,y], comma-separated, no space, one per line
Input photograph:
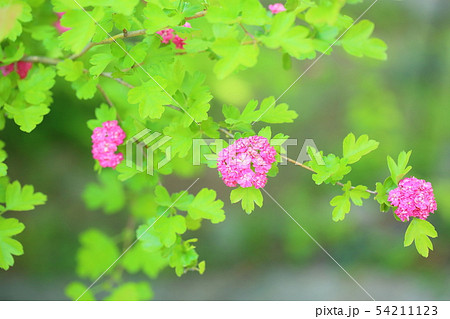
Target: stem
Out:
[102,91]
[197,15]
[228,133]
[112,39]
[126,34]
[248,33]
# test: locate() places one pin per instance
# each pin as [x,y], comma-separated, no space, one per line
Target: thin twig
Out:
[248,33]
[197,15]
[128,34]
[102,91]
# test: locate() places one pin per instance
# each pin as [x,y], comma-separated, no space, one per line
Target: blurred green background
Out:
[403,103]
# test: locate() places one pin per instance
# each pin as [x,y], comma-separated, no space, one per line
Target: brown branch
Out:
[129,34]
[125,34]
[248,33]
[197,15]
[40,59]
[102,91]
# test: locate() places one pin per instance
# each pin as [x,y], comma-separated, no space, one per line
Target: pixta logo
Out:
[151,142]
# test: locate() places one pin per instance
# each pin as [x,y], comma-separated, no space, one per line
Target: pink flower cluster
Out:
[276,8]
[105,140]
[168,35]
[22,68]
[58,25]
[246,162]
[413,198]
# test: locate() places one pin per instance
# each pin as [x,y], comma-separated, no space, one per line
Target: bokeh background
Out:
[404,103]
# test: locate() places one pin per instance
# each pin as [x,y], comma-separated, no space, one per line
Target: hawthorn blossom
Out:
[187,25]
[246,162]
[179,42]
[105,140]
[166,34]
[413,198]
[276,8]
[21,68]
[7,69]
[57,24]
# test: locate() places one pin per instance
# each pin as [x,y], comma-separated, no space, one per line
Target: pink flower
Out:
[22,68]
[276,8]
[105,140]
[7,69]
[179,42]
[187,25]
[166,34]
[246,162]
[57,24]
[413,198]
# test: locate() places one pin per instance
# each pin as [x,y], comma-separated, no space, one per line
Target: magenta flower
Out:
[187,25]
[7,69]
[21,67]
[105,140]
[179,42]
[166,34]
[413,198]
[276,8]
[246,162]
[57,24]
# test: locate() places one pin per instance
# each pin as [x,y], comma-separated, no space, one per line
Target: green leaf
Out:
[206,206]
[181,138]
[224,11]
[167,228]
[3,156]
[131,291]
[325,13]
[96,254]
[401,168]
[201,267]
[157,18]
[108,194]
[27,117]
[197,96]
[82,28]
[103,113]
[342,206]
[75,289]
[233,55]
[139,259]
[150,97]
[12,13]
[22,199]
[272,113]
[8,246]
[253,12]
[293,39]
[268,112]
[70,70]
[183,255]
[99,63]
[329,170]
[358,193]
[418,232]
[249,196]
[354,150]
[85,87]
[342,202]
[357,41]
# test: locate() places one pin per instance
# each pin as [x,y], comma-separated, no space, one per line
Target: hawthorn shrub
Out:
[142,47]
